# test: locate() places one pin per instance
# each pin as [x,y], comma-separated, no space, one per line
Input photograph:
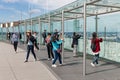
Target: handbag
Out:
[93,46]
[59,50]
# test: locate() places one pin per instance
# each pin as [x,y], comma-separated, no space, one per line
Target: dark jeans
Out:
[30,48]
[95,59]
[36,46]
[49,50]
[57,56]
[15,44]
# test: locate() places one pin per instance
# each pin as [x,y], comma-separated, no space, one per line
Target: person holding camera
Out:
[75,43]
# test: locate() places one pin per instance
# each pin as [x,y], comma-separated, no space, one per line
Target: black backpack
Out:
[93,46]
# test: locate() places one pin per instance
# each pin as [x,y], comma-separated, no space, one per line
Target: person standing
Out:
[56,33]
[44,34]
[75,43]
[56,49]
[15,41]
[96,41]
[30,46]
[49,46]
[20,37]
[35,36]
[8,35]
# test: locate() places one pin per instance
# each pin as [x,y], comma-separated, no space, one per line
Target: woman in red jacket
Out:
[96,41]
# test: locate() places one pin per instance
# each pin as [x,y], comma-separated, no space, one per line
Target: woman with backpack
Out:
[30,45]
[95,46]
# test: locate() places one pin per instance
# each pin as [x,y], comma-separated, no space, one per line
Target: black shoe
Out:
[37,48]
[26,60]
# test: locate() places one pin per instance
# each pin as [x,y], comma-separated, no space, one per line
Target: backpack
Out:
[93,46]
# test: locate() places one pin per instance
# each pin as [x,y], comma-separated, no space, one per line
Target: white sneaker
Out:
[74,55]
[54,65]
[52,59]
[48,59]
[93,64]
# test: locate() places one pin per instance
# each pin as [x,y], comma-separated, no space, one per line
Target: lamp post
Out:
[12,26]
[7,30]
[7,26]
[1,30]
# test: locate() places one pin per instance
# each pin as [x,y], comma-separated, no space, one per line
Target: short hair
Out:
[94,34]
[49,33]
[74,33]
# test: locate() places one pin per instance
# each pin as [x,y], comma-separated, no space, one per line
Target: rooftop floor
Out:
[13,67]
[42,70]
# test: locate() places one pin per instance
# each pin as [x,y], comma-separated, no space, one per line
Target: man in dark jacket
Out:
[75,42]
[44,34]
[35,37]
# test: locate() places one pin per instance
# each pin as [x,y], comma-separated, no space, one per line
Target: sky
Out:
[14,10]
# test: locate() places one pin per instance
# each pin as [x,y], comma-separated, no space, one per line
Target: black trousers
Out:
[49,50]
[30,48]
[15,44]
[36,46]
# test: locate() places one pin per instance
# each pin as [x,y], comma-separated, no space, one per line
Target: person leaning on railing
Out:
[75,43]
[95,47]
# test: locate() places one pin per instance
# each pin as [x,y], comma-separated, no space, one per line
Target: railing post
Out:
[84,51]
[63,36]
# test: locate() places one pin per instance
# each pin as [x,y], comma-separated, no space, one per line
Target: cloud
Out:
[35,1]
[55,4]
[1,7]
[5,8]
[43,4]
[10,1]
[37,6]
[50,4]
[13,10]
[33,11]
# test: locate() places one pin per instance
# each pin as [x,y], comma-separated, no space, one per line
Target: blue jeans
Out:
[57,56]
[30,48]
[95,59]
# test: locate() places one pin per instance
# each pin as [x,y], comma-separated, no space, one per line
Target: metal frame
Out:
[75,10]
[84,49]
